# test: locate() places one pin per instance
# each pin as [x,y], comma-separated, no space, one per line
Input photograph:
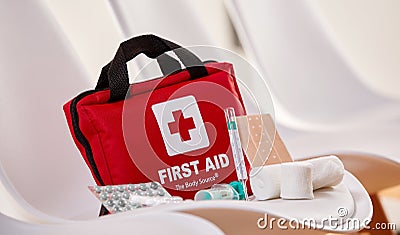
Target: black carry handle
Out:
[152,46]
[167,65]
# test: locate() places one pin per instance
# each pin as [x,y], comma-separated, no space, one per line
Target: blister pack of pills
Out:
[119,198]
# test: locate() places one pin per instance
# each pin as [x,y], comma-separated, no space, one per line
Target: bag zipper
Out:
[79,135]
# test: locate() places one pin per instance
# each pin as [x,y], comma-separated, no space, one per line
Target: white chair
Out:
[43,178]
[129,15]
[169,20]
[167,223]
[157,17]
[40,72]
[321,105]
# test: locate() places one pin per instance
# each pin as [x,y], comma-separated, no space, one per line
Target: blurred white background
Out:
[365,33]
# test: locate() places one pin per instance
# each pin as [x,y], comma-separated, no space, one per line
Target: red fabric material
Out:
[102,125]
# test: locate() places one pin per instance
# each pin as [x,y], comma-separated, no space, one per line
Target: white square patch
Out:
[181,125]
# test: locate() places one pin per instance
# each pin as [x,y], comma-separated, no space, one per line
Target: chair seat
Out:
[167,223]
[350,195]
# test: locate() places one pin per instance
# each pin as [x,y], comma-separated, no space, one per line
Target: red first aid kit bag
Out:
[170,129]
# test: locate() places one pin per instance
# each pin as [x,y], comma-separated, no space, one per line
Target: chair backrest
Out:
[39,73]
[310,79]
[178,21]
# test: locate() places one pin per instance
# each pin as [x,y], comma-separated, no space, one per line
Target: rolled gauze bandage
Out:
[265,181]
[327,171]
[296,180]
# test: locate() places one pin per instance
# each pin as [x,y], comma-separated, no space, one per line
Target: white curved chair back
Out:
[178,21]
[40,72]
[310,79]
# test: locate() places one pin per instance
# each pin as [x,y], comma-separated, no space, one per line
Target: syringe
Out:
[236,146]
